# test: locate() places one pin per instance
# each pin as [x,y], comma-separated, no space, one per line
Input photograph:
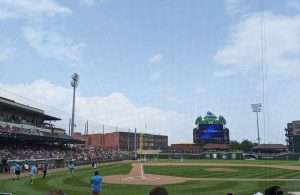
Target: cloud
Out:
[5,53]
[223,73]
[31,9]
[93,2]
[155,74]
[115,109]
[52,44]
[242,53]
[294,4]
[155,59]
[234,7]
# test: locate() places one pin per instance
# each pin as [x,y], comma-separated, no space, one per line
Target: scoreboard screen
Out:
[207,134]
[210,126]
[210,131]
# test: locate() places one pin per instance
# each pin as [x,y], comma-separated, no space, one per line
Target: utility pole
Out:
[135,142]
[87,127]
[128,140]
[102,140]
[69,127]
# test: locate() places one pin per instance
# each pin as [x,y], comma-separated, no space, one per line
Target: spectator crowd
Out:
[82,154]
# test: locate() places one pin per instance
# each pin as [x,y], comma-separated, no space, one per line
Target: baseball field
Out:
[187,177]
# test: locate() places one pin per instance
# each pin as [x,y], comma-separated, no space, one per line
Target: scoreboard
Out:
[211,133]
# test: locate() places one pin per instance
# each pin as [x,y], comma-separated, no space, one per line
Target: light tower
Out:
[74,84]
[257,108]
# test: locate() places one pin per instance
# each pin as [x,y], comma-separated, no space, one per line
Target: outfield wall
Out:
[295,156]
[223,156]
[206,155]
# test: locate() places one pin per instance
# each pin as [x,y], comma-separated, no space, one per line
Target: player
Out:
[4,164]
[17,171]
[45,170]
[26,166]
[96,182]
[32,173]
[93,164]
[71,168]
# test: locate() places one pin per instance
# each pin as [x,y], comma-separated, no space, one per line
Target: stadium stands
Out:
[27,133]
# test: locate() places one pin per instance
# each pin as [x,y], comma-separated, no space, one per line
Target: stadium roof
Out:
[271,146]
[12,105]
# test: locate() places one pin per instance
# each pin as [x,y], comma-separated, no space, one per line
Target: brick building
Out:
[293,136]
[125,140]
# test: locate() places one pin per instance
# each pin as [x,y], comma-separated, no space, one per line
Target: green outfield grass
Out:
[241,172]
[268,162]
[80,185]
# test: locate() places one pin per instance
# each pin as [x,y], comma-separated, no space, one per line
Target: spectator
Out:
[96,182]
[274,190]
[159,191]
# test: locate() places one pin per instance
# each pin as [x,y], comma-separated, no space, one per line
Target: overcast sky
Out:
[160,63]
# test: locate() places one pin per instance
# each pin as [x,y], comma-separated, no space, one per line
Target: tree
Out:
[210,118]
[198,120]
[222,120]
[235,145]
[209,113]
[246,145]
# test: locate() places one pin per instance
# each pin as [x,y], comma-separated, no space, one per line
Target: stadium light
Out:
[257,108]
[74,84]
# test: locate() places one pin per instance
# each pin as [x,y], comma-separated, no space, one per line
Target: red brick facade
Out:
[106,141]
[124,140]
